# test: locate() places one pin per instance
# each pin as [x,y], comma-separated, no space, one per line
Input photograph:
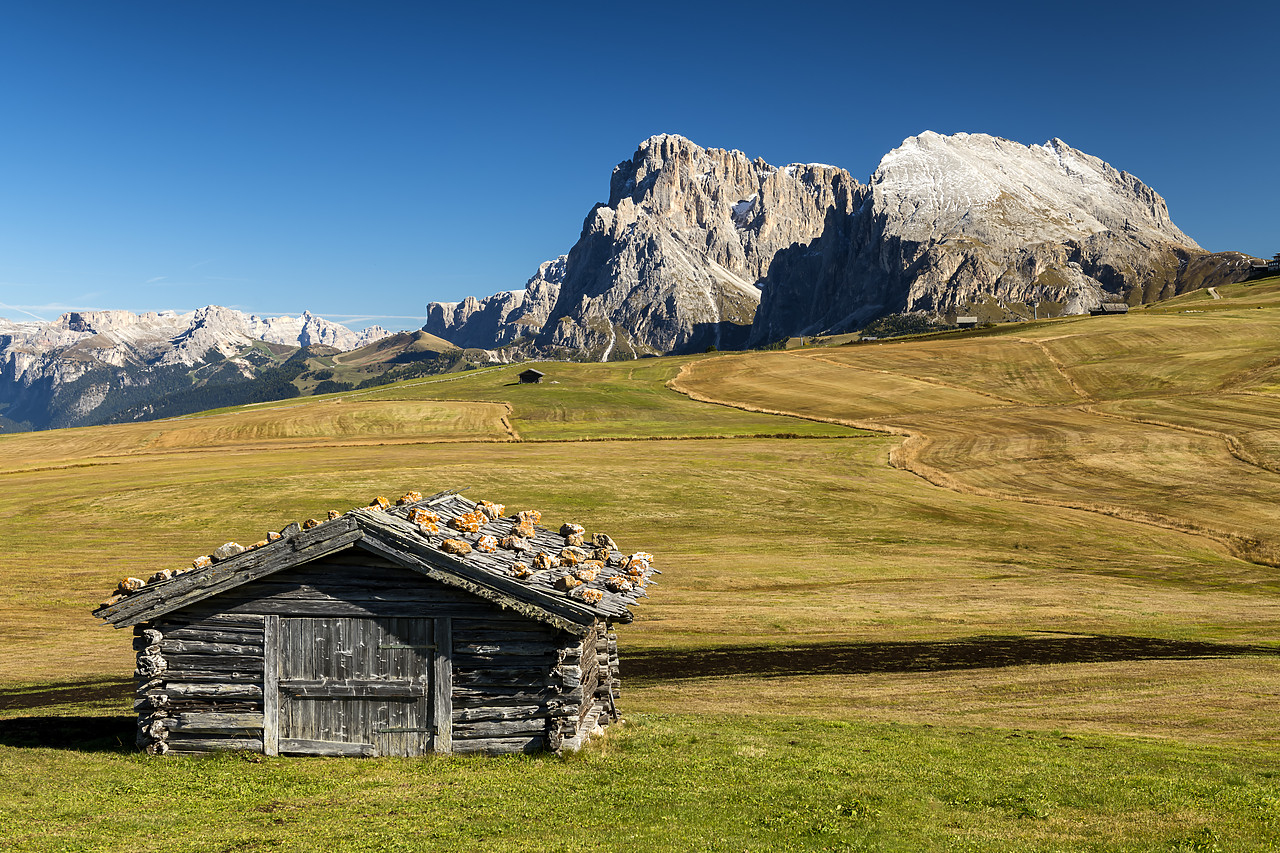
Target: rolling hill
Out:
[1013,588]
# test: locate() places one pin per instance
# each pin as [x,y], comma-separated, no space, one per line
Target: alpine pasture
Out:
[1010,589]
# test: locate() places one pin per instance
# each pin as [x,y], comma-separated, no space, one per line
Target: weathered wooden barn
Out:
[1109,308]
[433,626]
[531,376]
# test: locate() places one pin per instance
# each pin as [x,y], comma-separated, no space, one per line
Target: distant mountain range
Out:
[701,247]
[695,248]
[93,366]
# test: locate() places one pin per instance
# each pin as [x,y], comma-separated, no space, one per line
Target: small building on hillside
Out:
[967,322]
[437,625]
[1107,308]
[531,376]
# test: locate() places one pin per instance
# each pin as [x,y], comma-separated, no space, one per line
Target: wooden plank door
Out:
[355,686]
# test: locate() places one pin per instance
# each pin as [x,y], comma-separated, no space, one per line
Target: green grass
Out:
[665,783]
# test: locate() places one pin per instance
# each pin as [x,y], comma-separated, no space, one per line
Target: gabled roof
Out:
[489,574]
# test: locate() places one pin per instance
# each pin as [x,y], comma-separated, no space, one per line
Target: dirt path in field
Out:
[908,457]
[1059,367]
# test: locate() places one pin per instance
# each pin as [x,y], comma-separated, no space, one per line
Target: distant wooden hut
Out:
[1107,308]
[433,626]
[531,376]
[967,322]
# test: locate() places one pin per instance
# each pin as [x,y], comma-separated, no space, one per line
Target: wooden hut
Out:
[967,322]
[434,626]
[1109,308]
[531,376]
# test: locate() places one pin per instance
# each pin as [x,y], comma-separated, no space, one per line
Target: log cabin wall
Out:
[199,683]
[210,673]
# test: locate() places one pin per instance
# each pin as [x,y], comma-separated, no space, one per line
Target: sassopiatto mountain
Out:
[701,247]
[87,366]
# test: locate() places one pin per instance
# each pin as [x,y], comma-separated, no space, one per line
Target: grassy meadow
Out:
[1007,590]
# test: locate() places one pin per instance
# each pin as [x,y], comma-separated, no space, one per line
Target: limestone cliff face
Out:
[702,246]
[503,318]
[670,263]
[951,222]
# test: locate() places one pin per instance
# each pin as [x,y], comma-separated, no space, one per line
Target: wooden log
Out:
[499,746]
[226,691]
[498,713]
[204,722]
[214,706]
[210,622]
[180,743]
[215,676]
[502,648]
[499,729]
[233,636]
[497,693]
[212,663]
[150,665]
[543,663]
[203,647]
[298,746]
[500,678]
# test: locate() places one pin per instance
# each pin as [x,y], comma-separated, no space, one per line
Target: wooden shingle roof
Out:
[445,537]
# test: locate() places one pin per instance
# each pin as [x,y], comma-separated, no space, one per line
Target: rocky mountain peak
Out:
[693,239]
[672,261]
[957,222]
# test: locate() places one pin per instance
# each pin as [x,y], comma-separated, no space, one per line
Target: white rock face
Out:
[671,263]
[502,318]
[1011,194]
[950,222]
[40,358]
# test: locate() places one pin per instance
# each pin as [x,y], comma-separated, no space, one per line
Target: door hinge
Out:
[427,646]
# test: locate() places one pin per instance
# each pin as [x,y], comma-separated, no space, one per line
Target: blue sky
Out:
[360,159]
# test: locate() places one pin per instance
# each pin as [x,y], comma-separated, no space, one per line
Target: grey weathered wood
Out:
[442,686]
[180,743]
[271,686]
[213,663]
[324,532]
[302,607]
[200,647]
[203,583]
[498,746]
[226,691]
[354,689]
[212,722]
[210,676]
[213,622]
[237,637]
[302,746]
[497,713]
[499,729]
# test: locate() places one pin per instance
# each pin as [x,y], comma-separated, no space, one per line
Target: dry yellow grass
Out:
[292,424]
[1206,467]
[763,542]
